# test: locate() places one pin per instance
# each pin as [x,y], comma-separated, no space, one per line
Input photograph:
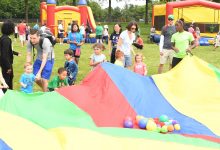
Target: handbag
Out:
[77,52]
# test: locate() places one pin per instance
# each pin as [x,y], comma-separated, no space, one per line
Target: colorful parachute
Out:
[90,115]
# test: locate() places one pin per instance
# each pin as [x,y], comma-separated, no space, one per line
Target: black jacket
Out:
[6,52]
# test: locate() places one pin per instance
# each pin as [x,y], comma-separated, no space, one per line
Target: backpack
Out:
[46,34]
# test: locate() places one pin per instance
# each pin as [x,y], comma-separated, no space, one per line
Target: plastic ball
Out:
[177,127]
[151,126]
[174,122]
[164,129]
[143,123]
[158,129]
[161,124]
[170,128]
[138,118]
[163,118]
[128,124]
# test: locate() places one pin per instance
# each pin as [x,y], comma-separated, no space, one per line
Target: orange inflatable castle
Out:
[52,15]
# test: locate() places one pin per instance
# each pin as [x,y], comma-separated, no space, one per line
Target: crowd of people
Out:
[175,43]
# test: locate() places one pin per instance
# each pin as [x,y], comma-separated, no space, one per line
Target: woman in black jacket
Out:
[6,53]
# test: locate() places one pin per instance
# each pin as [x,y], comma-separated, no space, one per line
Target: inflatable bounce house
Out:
[204,14]
[116,109]
[52,15]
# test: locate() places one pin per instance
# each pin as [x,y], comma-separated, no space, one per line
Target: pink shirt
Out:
[140,68]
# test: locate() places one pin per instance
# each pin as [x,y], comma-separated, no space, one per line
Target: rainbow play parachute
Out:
[90,115]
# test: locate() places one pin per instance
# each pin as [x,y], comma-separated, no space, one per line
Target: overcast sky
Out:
[104,4]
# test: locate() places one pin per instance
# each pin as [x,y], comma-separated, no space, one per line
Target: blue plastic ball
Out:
[143,123]
[128,124]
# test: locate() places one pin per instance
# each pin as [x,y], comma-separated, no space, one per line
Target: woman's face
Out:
[75,28]
[133,28]
[179,26]
[117,28]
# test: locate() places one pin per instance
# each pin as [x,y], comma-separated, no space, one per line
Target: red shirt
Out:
[21,28]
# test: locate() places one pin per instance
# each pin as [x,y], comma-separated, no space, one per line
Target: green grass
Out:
[150,52]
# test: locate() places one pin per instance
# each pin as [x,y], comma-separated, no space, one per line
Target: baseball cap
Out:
[171,17]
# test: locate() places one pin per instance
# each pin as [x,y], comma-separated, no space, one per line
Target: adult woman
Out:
[125,41]
[113,41]
[6,57]
[75,39]
[182,43]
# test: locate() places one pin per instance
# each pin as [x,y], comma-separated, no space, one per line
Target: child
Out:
[119,55]
[27,78]
[70,66]
[217,40]
[58,81]
[97,57]
[139,66]
[3,84]
[139,42]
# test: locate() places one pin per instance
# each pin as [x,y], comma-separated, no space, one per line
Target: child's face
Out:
[138,59]
[63,75]
[122,57]
[97,50]
[28,69]
[67,56]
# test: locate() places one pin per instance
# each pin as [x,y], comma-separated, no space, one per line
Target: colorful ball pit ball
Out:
[138,118]
[177,127]
[164,129]
[163,118]
[170,128]
[174,122]
[151,126]
[143,123]
[128,124]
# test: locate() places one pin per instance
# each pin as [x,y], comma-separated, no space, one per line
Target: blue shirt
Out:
[27,79]
[72,70]
[76,36]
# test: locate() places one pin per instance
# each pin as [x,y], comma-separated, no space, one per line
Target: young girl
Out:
[119,55]
[97,57]
[139,66]
[27,79]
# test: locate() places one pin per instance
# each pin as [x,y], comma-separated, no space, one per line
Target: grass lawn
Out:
[150,52]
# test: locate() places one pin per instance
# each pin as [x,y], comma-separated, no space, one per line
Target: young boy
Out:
[70,66]
[58,81]
[27,79]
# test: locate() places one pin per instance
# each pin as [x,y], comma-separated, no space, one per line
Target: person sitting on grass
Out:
[119,56]
[27,79]
[70,66]
[59,80]
[139,43]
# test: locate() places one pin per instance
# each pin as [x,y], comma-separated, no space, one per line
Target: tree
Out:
[26,10]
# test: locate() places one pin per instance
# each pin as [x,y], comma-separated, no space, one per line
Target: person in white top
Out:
[125,42]
[16,33]
[61,32]
[82,30]
[43,27]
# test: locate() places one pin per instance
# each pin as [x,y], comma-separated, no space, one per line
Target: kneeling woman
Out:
[182,43]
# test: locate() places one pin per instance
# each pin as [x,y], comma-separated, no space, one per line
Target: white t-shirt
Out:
[82,30]
[126,42]
[98,58]
[16,29]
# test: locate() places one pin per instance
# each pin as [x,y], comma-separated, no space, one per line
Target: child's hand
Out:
[19,54]
[24,85]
